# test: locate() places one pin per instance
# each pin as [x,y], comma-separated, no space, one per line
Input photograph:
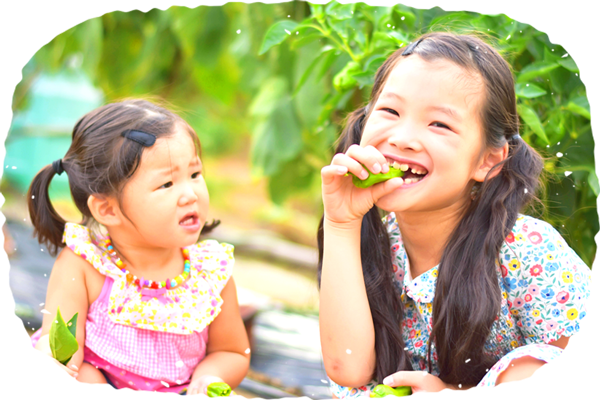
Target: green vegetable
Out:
[63,342]
[376,178]
[384,390]
[219,389]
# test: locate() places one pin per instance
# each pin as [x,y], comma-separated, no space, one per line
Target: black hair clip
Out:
[409,50]
[143,138]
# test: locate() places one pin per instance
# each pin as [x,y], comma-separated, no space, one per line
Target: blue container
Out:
[42,133]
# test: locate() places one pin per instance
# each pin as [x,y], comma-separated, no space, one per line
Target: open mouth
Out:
[412,172]
[190,219]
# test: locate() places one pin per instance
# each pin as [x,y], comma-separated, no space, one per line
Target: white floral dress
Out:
[544,286]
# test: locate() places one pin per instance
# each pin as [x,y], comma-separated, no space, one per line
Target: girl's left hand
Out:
[419,381]
[199,385]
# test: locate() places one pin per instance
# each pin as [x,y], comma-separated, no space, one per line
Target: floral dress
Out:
[544,287]
[150,340]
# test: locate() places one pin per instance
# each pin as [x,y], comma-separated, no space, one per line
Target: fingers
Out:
[330,172]
[381,189]
[71,371]
[369,157]
[406,378]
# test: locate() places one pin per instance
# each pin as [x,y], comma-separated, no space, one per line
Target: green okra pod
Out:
[384,390]
[219,389]
[376,178]
[63,341]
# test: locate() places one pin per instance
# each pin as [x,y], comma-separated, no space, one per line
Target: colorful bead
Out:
[141,282]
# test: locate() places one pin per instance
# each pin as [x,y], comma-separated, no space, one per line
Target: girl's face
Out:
[427,117]
[166,201]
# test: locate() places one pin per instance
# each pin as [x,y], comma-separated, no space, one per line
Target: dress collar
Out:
[422,288]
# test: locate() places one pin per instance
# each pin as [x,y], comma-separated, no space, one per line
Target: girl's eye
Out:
[166,185]
[440,125]
[195,175]
[391,111]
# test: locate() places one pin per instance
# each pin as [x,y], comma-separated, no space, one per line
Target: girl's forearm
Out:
[346,325]
[229,366]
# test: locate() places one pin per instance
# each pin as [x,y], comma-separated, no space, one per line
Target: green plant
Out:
[349,42]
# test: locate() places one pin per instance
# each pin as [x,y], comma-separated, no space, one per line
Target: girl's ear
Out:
[105,209]
[490,158]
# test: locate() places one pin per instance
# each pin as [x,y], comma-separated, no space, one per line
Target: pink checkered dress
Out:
[151,342]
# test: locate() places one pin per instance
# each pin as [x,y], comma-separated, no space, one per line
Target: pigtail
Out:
[47,223]
[468,267]
[384,300]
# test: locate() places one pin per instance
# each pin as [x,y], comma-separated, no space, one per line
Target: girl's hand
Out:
[343,202]
[49,377]
[419,381]
[43,345]
[199,385]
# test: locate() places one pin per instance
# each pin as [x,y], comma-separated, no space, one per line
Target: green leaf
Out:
[323,54]
[536,69]
[218,389]
[593,32]
[529,90]
[581,106]
[532,120]
[63,342]
[593,181]
[576,65]
[340,11]
[490,12]
[344,79]
[276,34]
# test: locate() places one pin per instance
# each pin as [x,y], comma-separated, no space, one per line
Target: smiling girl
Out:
[158,311]
[454,288]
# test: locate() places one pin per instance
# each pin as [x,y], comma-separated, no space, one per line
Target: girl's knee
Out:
[89,380]
[519,380]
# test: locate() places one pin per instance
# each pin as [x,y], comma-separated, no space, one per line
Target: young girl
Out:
[455,285]
[157,310]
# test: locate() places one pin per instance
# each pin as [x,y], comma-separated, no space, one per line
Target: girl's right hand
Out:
[345,203]
[49,377]
[43,345]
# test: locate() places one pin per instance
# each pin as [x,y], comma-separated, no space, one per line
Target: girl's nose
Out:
[188,196]
[405,137]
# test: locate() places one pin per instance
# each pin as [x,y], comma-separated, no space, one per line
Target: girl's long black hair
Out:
[467,297]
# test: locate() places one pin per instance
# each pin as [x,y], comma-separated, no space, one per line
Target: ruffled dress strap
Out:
[79,239]
[214,262]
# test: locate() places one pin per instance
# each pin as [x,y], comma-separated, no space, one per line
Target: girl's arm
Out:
[227,359]
[67,290]
[582,346]
[346,324]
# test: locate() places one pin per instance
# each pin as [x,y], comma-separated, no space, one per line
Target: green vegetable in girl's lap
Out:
[219,389]
[63,342]
[377,178]
[384,390]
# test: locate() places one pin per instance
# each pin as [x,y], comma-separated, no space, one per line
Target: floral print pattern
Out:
[544,286]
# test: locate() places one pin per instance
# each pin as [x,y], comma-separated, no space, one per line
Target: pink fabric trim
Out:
[105,293]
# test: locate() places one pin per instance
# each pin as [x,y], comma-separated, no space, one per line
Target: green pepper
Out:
[376,178]
[63,341]
[219,389]
[384,390]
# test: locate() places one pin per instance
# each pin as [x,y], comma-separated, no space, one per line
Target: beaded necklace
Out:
[145,283]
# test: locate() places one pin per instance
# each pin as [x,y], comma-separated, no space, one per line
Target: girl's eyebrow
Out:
[446,110]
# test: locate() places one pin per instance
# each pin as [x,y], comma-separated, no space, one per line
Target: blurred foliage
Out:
[349,42]
[199,57]
[279,79]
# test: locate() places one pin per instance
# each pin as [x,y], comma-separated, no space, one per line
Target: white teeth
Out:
[408,180]
[395,165]
[404,167]
[414,171]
